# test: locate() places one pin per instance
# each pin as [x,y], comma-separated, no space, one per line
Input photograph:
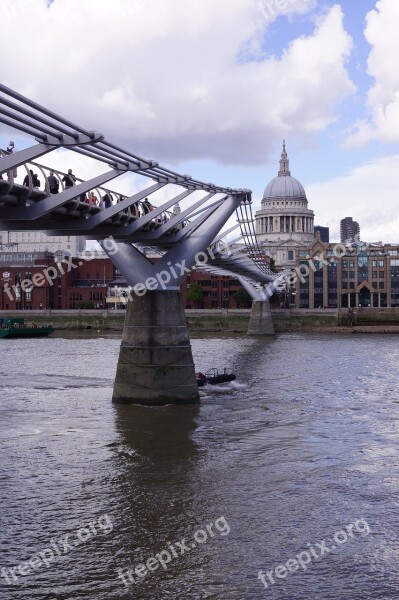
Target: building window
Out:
[374,273]
[381,263]
[362,260]
[382,274]
[290,255]
[381,285]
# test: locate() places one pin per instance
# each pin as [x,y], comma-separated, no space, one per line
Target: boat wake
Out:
[224,388]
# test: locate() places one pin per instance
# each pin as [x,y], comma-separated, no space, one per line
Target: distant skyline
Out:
[212,88]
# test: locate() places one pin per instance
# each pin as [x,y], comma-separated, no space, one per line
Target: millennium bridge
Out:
[155,363]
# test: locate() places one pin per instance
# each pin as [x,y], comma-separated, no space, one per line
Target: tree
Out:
[89,304]
[195,293]
[242,297]
[273,265]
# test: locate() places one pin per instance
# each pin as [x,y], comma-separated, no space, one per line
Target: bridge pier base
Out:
[155,365]
[260,320]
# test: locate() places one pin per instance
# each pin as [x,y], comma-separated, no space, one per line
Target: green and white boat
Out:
[17,328]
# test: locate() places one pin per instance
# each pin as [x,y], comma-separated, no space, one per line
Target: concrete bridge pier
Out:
[155,365]
[260,320]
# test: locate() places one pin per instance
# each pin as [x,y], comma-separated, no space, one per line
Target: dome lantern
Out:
[284,163]
[284,186]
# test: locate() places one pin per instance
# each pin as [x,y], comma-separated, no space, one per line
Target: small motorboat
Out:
[213,377]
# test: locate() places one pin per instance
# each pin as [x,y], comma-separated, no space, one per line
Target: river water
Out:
[291,473]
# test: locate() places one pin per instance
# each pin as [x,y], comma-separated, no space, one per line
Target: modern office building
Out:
[324,233]
[349,230]
[36,241]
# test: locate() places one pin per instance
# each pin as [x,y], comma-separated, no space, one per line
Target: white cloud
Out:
[368,193]
[383,97]
[177,80]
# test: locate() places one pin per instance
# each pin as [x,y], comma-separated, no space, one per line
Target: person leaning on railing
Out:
[69,179]
[33,177]
[147,206]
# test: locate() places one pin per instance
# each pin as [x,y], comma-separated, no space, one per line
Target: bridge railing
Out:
[84,203]
[52,131]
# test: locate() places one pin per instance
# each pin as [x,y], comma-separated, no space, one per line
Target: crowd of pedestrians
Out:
[136,210]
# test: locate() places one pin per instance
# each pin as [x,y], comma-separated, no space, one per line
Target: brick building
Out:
[35,281]
[217,290]
[88,284]
[18,270]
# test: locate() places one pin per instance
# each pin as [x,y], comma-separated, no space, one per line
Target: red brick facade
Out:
[78,283]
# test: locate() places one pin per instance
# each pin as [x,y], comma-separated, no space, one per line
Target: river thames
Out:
[283,484]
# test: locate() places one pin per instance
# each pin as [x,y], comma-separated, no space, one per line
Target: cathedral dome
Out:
[284,185]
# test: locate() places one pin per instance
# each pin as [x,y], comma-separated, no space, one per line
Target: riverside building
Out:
[37,241]
[348,276]
[342,275]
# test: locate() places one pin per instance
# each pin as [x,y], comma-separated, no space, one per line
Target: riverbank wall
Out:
[217,320]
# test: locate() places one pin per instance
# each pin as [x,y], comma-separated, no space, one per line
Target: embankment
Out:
[221,320]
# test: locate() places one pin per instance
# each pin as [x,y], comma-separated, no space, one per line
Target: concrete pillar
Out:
[155,365]
[260,320]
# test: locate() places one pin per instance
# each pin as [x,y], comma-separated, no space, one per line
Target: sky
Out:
[211,88]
